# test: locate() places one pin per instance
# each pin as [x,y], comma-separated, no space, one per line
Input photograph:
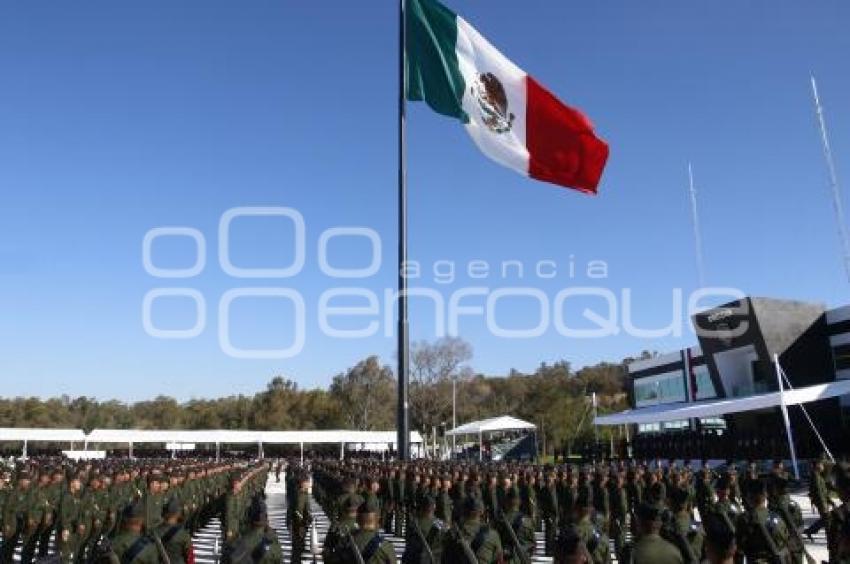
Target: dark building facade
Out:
[738,342]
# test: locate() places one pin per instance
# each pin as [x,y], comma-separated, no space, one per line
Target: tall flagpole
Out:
[697,233]
[403,436]
[833,181]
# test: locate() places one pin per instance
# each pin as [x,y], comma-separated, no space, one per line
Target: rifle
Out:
[358,558]
[518,551]
[795,534]
[163,555]
[424,541]
[771,545]
[467,550]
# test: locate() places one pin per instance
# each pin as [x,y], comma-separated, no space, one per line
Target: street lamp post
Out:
[595,429]
[454,412]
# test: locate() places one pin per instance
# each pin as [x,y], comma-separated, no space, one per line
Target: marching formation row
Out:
[146,512]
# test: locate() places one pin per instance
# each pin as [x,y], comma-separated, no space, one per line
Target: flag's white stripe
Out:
[477,56]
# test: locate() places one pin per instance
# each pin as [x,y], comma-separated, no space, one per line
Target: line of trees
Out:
[555,397]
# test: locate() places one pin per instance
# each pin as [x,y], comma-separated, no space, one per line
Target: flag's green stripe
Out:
[433,74]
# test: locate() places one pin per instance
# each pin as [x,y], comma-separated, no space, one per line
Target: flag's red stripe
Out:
[562,147]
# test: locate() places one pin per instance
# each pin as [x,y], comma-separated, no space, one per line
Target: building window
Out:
[661,388]
[676,425]
[649,427]
[841,356]
[712,423]
[705,387]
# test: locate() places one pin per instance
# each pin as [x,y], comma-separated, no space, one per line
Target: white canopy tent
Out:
[368,440]
[42,435]
[364,439]
[492,425]
[28,435]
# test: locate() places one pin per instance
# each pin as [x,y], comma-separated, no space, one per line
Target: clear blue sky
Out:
[118,117]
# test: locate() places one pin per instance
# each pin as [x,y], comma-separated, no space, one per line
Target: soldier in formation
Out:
[489,512]
[458,512]
[133,510]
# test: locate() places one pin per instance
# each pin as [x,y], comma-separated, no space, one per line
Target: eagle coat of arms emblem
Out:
[492,101]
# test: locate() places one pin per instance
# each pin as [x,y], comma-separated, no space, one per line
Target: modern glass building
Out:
[738,343]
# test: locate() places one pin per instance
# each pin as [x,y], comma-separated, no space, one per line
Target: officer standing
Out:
[300,517]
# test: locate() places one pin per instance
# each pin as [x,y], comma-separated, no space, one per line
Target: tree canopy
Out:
[555,397]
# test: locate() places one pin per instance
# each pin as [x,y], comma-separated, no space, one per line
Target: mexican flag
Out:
[512,118]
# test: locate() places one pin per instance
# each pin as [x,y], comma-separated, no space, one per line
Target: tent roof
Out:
[212,436]
[718,407]
[503,423]
[245,437]
[58,435]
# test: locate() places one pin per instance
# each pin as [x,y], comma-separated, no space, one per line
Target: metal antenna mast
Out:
[833,181]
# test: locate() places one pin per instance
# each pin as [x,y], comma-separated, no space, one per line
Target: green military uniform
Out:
[594,539]
[516,530]
[371,546]
[234,510]
[338,542]
[130,545]
[679,527]
[68,525]
[399,495]
[258,545]
[425,538]
[518,547]
[174,537]
[299,521]
[619,505]
[549,511]
[838,535]
[689,538]
[16,521]
[838,522]
[474,538]
[53,496]
[38,507]
[652,549]
[762,536]
[444,507]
